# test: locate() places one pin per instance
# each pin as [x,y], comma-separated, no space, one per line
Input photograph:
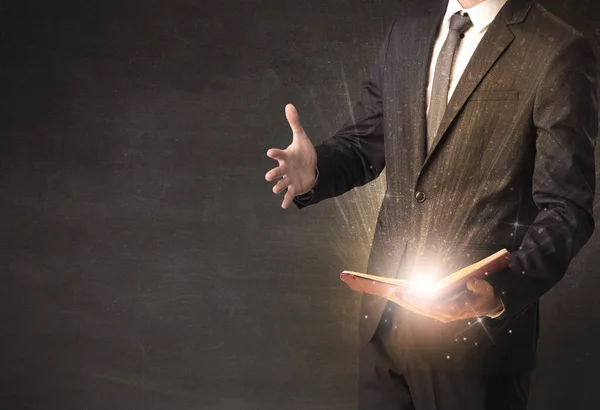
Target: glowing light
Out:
[424,284]
[366,317]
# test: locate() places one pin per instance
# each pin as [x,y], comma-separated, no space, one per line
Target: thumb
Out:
[294,120]
[478,286]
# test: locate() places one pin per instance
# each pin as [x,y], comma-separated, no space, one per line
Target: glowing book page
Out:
[381,286]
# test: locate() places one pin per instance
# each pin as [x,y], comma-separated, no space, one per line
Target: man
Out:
[484,114]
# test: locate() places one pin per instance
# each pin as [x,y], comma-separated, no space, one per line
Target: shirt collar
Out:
[481,15]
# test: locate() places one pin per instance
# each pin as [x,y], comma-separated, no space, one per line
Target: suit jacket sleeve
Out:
[565,116]
[355,155]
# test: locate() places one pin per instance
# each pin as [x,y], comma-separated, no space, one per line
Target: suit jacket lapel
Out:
[492,45]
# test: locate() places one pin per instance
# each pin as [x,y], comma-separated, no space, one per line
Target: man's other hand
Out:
[297,163]
[478,300]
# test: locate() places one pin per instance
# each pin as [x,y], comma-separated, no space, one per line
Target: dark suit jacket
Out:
[512,167]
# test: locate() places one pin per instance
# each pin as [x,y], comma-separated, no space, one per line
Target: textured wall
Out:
[145,262]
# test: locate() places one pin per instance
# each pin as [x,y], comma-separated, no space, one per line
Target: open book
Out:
[380,286]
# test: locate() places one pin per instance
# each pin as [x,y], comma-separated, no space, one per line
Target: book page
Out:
[479,269]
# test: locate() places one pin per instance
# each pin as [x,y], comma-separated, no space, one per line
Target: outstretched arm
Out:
[355,155]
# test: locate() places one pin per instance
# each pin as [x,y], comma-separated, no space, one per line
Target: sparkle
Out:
[447,357]
[482,325]
[479,320]
[464,338]
[510,331]
[366,317]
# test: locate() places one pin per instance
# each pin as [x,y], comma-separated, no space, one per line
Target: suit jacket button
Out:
[420,196]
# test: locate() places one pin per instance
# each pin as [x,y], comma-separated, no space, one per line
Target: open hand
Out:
[478,300]
[297,163]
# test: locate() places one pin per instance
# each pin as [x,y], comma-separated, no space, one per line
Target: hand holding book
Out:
[461,295]
[477,300]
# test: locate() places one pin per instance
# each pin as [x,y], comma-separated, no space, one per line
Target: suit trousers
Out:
[409,383]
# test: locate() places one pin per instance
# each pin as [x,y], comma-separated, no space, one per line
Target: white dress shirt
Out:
[481,15]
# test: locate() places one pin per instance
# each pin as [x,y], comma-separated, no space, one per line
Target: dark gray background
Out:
[146,264]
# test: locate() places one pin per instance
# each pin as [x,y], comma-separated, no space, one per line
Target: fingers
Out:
[276,154]
[275,173]
[294,120]
[483,298]
[281,185]
[288,198]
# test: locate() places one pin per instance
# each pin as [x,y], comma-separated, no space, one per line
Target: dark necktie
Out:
[459,24]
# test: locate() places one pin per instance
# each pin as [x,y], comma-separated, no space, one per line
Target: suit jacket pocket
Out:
[495,95]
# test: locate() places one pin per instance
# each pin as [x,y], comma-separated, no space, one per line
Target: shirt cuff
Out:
[310,192]
[496,315]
